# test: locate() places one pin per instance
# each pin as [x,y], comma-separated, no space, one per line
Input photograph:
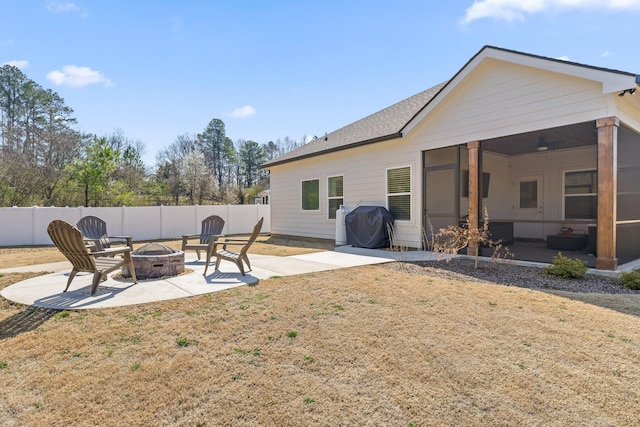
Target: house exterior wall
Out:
[364,171]
[551,165]
[497,99]
[510,99]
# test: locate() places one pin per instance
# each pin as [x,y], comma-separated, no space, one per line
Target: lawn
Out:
[360,346]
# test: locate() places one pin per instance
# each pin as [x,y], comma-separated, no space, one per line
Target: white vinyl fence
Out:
[28,226]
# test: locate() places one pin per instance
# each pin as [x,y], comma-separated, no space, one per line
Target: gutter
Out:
[333,150]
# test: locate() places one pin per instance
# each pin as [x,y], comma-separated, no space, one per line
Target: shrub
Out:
[450,240]
[630,279]
[568,268]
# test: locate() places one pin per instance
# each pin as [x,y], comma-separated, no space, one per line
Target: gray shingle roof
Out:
[385,124]
[388,123]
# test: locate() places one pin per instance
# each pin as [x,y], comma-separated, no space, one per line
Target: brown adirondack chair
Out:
[211,229]
[239,256]
[94,231]
[68,239]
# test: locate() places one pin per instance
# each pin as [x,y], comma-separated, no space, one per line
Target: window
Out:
[399,193]
[311,195]
[528,194]
[581,195]
[335,194]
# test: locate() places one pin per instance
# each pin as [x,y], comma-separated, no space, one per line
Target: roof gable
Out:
[400,118]
[611,80]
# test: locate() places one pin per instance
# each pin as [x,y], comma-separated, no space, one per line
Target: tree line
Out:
[46,161]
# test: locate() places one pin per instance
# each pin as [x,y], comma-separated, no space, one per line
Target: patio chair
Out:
[68,239]
[211,229]
[239,256]
[94,232]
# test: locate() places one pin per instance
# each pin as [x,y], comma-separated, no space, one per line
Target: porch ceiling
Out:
[560,138]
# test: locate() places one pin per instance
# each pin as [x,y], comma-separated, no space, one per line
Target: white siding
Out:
[509,99]
[364,171]
[496,99]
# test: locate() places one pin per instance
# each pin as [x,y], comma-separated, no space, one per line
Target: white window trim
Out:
[564,195]
[334,197]
[386,201]
[319,194]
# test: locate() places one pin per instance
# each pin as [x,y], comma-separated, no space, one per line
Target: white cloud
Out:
[60,7]
[18,63]
[605,54]
[241,113]
[7,42]
[74,76]
[516,10]
[564,58]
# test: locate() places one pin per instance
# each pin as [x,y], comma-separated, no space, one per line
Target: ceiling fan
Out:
[544,145]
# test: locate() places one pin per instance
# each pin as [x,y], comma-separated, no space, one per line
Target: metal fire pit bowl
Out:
[155,260]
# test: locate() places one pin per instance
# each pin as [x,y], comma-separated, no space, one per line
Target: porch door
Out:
[528,207]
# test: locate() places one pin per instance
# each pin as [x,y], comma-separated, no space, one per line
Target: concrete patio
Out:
[47,291]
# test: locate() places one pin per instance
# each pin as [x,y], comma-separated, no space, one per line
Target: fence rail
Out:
[28,226]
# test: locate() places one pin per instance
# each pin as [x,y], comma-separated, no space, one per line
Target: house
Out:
[262,198]
[543,144]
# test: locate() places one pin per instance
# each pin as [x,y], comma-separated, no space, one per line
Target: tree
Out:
[59,144]
[217,148]
[94,171]
[168,164]
[199,184]
[250,157]
[271,150]
[37,139]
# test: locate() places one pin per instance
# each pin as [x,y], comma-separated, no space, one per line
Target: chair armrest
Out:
[128,239]
[213,241]
[91,244]
[225,243]
[190,236]
[112,251]
[236,239]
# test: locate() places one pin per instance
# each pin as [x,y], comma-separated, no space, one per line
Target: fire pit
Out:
[155,260]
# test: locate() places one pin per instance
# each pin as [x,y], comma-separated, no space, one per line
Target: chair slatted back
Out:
[211,226]
[96,229]
[252,238]
[68,239]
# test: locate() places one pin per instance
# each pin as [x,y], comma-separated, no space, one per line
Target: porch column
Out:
[474,202]
[607,192]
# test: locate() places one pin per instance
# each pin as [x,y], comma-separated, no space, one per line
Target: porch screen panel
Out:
[628,196]
[440,199]
[580,194]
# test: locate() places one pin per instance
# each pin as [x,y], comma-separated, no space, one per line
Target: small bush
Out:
[568,268]
[630,279]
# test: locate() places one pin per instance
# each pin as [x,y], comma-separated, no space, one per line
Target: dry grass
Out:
[264,245]
[361,346]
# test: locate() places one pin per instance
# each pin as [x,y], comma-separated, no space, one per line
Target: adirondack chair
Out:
[68,239]
[239,256]
[94,231]
[211,229]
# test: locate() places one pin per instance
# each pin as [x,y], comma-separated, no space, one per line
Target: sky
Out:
[271,69]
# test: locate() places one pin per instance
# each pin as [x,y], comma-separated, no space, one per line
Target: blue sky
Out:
[271,69]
